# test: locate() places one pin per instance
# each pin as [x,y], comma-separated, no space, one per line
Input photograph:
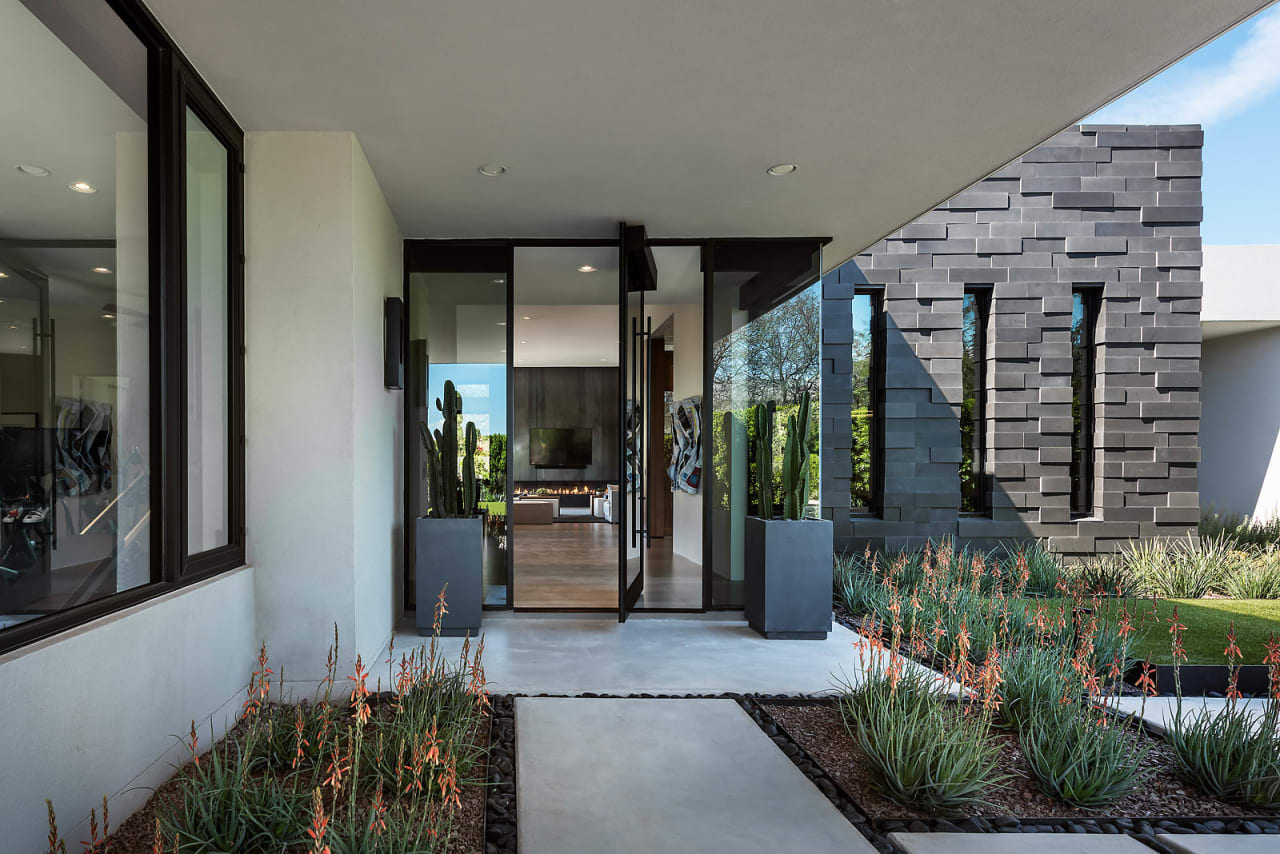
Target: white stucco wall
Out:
[1241,283]
[322,453]
[93,711]
[1240,423]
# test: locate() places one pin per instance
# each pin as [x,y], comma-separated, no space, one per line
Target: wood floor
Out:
[575,565]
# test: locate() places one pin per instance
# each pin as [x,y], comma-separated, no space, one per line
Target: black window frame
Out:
[982,298]
[1083,451]
[876,381]
[172,85]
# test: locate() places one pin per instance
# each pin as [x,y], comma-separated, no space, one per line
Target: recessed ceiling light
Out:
[3,275]
[102,269]
[498,281]
[527,317]
[604,360]
[32,170]
[13,326]
[782,169]
[586,268]
[82,187]
[492,170]
[524,342]
[108,316]
[502,323]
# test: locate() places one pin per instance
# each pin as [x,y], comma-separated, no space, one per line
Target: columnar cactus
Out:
[764,459]
[449,495]
[795,462]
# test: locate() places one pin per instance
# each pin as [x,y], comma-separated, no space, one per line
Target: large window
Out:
[867,409]
[1084,321]
[973,404]
[102,384]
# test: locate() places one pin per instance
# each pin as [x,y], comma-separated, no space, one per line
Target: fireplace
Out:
[570,493]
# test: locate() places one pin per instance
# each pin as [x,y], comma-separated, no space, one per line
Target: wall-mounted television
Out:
[560,447]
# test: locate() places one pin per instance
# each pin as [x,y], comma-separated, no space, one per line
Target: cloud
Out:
[1210,94]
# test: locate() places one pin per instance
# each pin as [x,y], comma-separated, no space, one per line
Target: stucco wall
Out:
[1109,206]
[1240,429]
[322,250]
[93,711]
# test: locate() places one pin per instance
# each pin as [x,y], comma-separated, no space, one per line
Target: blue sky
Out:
[1231,86]
[484,394]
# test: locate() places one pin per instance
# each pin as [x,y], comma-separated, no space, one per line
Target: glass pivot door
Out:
[635,330]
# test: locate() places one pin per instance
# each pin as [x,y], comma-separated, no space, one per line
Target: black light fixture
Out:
[393,342]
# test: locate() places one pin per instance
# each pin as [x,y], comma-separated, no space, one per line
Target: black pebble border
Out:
[1146,830]
[500,801]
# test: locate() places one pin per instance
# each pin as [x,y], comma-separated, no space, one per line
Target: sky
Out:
[1231,86]
[484,394]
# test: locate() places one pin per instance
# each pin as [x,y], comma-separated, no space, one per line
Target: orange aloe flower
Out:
[379,822]
[1232,652]
[360,693]
[157,844]
[1145,683]
[336,769]
[195,744]
[319,825]
[300,740]
[1176,629]
[55,843]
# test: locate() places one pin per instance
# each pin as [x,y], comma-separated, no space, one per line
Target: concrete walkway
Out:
[674,776]
[1160,711]
[528,653]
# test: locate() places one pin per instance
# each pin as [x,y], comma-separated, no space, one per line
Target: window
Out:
[867,409]
[1084,321]
[208,392]
[92,290]
[973,404]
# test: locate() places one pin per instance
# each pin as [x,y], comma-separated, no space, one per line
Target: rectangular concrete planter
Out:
[788,577]
[450,551]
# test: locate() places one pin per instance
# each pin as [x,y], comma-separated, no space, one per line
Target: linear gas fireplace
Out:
[570,493]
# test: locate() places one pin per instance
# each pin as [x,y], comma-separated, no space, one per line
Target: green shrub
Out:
[1081,761]
[1230,754]
[1181,569]
[923,752]
[1106,576]
[1240,529]
[1257,576]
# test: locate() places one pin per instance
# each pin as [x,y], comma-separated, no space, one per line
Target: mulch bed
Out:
[817,726]
[467,836]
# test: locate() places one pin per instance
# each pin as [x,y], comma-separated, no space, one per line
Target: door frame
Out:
[425,255]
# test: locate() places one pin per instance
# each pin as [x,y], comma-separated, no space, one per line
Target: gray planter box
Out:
[450,551]
[788,577]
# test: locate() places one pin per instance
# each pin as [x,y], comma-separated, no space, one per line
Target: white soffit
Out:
[668,113]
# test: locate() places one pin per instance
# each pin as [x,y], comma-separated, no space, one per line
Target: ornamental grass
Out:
[349,772]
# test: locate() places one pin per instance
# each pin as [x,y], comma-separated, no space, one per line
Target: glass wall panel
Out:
[207,339]
[766,328]
[75,436]
[565,444]
[458,333]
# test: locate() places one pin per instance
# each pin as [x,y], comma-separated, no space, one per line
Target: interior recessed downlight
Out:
[502,323]
[82,187]
[102,270]
[3,274]
[586,268]
[492,170]
[527,317]
[782,169]
[107,316]
[524,342]
[33,170]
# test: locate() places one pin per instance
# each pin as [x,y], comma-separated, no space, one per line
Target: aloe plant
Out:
[448,494]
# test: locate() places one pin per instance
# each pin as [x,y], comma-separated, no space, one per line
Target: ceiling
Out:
[668,113]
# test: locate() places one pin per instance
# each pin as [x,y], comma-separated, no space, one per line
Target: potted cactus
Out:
[450,541]
[787,571]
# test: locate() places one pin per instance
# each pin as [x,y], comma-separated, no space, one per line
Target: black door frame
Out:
[425,255]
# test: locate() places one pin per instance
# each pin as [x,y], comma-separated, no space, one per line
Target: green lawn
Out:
[495,508]
[1207,621]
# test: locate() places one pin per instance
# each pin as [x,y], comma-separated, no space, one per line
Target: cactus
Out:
[795,463]
[764,459]
[449,495]
[469,493]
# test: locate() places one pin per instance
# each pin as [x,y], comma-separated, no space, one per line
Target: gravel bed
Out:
[1166,805]
[500,803]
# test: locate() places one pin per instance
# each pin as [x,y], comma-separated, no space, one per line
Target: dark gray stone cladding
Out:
[1105,205]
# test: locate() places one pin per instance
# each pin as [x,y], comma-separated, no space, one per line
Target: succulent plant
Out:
[795,462]
[448,494]
[764,413]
